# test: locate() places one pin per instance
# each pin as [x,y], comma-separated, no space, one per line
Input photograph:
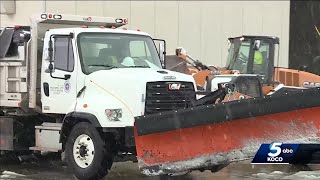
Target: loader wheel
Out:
[87,154]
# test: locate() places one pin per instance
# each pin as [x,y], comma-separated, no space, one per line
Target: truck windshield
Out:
[238,56]
[103,51]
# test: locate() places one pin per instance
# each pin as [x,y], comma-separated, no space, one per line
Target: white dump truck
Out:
[73,85]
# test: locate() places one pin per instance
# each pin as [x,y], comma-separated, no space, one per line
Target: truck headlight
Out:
[113,114]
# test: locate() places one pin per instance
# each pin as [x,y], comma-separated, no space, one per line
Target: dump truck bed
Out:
[21,47]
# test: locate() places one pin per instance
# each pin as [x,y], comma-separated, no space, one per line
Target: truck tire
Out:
[87,154]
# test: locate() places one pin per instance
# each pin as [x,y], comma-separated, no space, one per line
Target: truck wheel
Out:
[87,153]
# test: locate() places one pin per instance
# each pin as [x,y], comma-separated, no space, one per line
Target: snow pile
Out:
[273,175]
[304,175]
[10,175]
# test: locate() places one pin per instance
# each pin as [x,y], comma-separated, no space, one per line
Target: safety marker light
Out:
[113,27]
[138,29]
[43,16]
[50,16]
[125,21]
[119,20]
[85,105]
[124,28]
[57,16]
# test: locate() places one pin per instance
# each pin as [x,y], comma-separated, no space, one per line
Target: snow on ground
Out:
[306,175]
[11,175]
[129,171]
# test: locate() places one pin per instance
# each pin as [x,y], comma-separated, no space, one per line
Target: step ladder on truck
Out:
[73,84]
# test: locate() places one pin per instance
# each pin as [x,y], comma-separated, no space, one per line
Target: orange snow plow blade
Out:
[210,136]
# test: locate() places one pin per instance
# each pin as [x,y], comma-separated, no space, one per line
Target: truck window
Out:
[63,54]
[139,49]
[261,59]
[242,57]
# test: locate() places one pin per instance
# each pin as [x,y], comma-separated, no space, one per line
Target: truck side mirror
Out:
[50,53]
[46,54]
[256,45]
[162,54]
[161,48]
[49,69]
[49,56]
[50,50]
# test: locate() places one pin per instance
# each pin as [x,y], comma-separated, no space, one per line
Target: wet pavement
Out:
[54,170]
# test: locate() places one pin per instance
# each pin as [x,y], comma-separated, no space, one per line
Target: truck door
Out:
[58,85]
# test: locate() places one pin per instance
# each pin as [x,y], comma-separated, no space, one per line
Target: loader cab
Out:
[253,55]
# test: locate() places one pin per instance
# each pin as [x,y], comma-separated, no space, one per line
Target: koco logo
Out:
[174,86]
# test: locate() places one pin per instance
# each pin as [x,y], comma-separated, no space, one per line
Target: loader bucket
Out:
[212,136]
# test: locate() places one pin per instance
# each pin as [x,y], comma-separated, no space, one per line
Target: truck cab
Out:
[90,79]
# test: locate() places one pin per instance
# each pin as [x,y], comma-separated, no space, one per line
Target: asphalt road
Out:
[54,170]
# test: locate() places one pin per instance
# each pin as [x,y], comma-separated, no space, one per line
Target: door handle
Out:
[46,89]
[67,76]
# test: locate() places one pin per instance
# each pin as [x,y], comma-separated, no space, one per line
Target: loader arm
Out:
[181,53]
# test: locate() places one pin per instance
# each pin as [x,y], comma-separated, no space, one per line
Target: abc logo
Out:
[287,151]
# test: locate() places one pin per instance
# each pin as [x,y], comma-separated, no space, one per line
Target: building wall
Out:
[202,28]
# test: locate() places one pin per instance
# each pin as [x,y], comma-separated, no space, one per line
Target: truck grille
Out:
[159,98]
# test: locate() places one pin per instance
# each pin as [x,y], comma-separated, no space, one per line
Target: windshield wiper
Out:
[104,65]
[139,66]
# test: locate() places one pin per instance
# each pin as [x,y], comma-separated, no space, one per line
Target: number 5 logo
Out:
[274,149]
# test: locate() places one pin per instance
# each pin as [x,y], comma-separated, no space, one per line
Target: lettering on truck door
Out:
[59,94]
